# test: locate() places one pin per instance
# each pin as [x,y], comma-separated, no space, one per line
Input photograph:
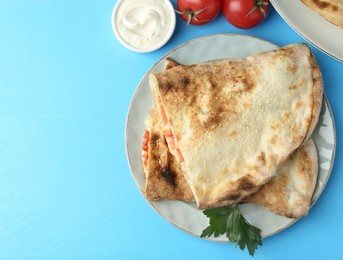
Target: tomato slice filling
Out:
[170,137]
[145,147]
[163,113]
[168,133]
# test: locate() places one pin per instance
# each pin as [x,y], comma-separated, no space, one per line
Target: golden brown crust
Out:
[317,95]
[224,104]
[289,193]
[296,179]
[170,63]
[239,190]
[215,114]
[164,176]
[187,80]
[332,10]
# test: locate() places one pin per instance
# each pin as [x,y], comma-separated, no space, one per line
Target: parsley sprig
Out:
[230,221]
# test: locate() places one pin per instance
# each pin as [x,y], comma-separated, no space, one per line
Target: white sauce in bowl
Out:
[144,24]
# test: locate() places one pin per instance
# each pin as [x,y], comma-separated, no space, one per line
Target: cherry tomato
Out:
[199,12]
[245,13]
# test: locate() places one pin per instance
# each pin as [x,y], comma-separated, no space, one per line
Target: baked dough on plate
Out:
[230,124]
[331,10]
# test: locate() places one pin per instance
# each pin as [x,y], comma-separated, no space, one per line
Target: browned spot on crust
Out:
[213,85]
[154,157]
[234,196]
[298,105]
[273,140]
[246,105]
[246,185]
[168,176]
[233,133]
[249,84]
[154,138]
[185,81]
[286,115]
[296,85]
[321,4]
[292,68]
[214,119]
[166,86]
[245,81]
[262,158]
[293,87]
[275,125]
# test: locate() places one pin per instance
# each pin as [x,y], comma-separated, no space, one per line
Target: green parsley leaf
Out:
[230,221]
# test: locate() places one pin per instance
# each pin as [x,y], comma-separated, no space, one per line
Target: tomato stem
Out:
[192,14]
[258,4]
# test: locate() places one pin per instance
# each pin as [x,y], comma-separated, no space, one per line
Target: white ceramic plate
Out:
[184,215]
[311,26]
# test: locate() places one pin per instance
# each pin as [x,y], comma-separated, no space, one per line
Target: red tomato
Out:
[245,13]
[199,12]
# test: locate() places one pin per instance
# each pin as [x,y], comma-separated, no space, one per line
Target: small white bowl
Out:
[158,45]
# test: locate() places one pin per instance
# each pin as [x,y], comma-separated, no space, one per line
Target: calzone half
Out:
[289,193]
[230,124]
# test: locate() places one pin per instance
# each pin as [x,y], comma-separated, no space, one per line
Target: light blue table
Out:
[66,191]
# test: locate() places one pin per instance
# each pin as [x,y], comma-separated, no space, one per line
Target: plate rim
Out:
[284,17]
[140,85]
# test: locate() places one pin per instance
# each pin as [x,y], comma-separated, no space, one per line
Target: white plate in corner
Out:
[186,216]
[313,27]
